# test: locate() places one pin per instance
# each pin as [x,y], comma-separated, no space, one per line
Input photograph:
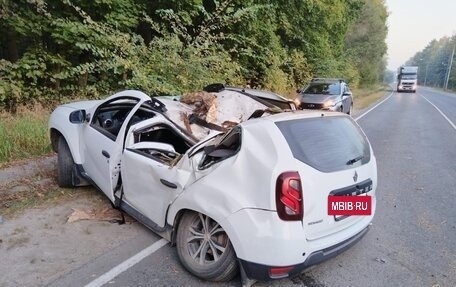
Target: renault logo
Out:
[355,176]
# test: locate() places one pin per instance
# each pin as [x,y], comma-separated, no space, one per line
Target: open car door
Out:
[104,138]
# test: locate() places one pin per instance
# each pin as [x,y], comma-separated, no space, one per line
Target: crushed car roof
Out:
[219,108]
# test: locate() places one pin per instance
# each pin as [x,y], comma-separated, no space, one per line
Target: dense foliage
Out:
[52,50]
[434,63]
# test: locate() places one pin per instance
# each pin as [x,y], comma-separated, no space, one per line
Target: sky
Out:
[412,24]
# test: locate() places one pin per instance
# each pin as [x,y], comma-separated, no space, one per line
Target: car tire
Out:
[199,237]
[341,109]
[65,164]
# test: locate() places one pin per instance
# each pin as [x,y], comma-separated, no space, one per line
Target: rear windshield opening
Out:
[327,143]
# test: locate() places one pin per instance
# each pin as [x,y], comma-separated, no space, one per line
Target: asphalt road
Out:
[413,238]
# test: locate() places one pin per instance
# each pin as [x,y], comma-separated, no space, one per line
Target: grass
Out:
[363,98]
[18,203]
[24,135]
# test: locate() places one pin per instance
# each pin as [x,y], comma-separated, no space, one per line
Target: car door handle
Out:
[105,153]
[168,184]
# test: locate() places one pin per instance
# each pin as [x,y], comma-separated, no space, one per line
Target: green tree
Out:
[365,42]
[433,62]
[52,50]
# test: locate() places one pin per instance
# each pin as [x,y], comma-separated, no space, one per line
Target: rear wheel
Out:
[205,249]
[65,164]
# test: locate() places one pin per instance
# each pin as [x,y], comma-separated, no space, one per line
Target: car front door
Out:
[103,141]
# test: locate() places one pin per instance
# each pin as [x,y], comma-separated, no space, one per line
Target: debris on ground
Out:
[40,247]
[381,260]
[104,214]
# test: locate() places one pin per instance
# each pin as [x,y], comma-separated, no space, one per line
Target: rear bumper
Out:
[262,272]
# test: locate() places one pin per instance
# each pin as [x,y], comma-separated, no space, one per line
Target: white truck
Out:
[407,77]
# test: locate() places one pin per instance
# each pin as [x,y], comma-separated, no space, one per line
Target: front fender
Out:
[59,121]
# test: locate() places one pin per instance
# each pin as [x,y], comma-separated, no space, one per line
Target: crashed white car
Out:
[233,182]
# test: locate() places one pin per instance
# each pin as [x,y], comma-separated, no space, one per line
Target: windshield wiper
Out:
[353,160]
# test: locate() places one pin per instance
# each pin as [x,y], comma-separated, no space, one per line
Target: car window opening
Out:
[108,118]
[223,148]
[163,134]
[162,156]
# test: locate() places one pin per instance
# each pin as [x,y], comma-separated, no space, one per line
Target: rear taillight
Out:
[289,196]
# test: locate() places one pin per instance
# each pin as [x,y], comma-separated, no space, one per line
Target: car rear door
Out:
[150,177]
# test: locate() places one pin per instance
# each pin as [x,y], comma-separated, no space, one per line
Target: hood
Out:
[316,98]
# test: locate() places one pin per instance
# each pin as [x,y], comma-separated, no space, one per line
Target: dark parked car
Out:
[326,94]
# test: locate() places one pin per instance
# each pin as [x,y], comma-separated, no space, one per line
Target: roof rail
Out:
[327,79]
[214,88]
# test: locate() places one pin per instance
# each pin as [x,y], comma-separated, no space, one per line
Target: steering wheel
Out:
[107,124]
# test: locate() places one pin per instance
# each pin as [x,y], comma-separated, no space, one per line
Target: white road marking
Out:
[366,112]
[446,118]
[108,276]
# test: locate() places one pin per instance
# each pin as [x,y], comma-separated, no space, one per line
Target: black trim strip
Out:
[355,189]
[141,218]
[81,172]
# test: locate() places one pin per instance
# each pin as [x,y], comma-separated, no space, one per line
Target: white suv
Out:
[252,198]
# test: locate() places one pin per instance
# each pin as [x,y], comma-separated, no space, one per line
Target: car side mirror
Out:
[78,117]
